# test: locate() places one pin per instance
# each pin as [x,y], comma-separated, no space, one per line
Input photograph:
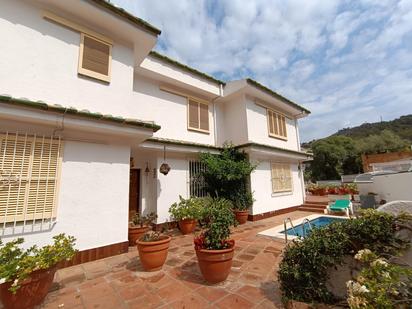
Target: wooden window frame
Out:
[284,190]
[91,73]
[198,113]
[282,118]
[29,179]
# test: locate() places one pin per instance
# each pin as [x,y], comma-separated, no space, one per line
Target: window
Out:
[276,125]
[281,177]
[197,186]
[198,116]
[95,58]
[29,176]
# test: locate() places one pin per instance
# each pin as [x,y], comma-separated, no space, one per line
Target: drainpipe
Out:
[214,112]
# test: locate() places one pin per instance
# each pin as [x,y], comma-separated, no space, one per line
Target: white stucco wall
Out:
[261,186]
[93,199]
[258,128]
[393,187]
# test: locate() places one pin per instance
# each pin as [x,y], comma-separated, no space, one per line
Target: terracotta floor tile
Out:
[246,257]
[234,301]
[190,301]
[95,269]
[251,278]
[147,301]
[254,294]
[108,301]
[260,268]
[172,292]
[97,291]
[211,294]
[131,292]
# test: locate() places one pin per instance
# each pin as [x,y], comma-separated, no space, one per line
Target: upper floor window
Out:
[198,116]
[29,177]
[281,177]
[95,58]
[276,124]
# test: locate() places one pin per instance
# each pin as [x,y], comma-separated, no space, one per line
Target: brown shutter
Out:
[270,122]
[204,117]
[193,114]
[96,56]
[284,126]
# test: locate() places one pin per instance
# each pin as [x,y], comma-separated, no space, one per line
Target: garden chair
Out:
[341,206]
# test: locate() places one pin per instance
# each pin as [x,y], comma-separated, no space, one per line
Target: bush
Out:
[141,220]
[16,264]
[219,218]
[303,270]
[186,209]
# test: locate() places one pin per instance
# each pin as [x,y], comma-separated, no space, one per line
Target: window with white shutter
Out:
[281,177]
[29,177]
[198,116]
[276,125]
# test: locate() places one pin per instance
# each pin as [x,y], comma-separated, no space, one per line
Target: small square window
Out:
[198,116]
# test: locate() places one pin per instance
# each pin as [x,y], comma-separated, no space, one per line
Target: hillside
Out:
[401,126]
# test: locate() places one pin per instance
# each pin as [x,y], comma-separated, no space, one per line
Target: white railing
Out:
[29,176]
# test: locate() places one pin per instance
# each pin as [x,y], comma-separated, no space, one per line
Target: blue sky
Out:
[349,62]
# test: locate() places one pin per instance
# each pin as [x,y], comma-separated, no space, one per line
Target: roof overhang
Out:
[263,95]
[271,152]
[107,19]
[19,114]
[176,146]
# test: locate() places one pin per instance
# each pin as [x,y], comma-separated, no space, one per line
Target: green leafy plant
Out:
[16,263]
[226,175]
[190,208]
[141,220]
[219,218]
[152,236]
[303,271]
[380,284]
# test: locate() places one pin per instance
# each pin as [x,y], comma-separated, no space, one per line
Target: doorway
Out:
[134,192]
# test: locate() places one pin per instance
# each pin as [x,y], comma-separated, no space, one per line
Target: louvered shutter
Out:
[29,169]
[276,124]
[204,117]
[193,114]
[281,177]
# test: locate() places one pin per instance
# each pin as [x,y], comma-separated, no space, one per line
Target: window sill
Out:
[286,193]
[199,131]
[279,137]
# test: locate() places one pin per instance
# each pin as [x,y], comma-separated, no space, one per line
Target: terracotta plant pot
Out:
[135,232]
[187,226]
[153,254]
[215,265]
[32,291]
[241,215]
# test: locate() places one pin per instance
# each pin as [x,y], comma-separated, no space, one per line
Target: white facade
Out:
[39,61]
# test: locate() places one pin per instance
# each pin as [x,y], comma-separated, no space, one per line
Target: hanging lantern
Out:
[164,168]
[147,170]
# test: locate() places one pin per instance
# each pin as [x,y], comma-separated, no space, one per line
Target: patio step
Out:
[311,209]
[306,204]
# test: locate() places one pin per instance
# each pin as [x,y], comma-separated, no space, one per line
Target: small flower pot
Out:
[187,226]
[32,291]
[135,232]
[241,215]
[153,254]
[215,265]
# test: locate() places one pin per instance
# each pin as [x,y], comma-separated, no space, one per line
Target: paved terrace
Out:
[120,282]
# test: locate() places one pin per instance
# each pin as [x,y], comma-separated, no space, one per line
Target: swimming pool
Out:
[304,228]
[316,220]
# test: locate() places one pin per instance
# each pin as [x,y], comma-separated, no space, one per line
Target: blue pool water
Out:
[315,223]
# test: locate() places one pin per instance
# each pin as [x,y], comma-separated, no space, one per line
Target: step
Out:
[314,205]
[316,202]
[310,209]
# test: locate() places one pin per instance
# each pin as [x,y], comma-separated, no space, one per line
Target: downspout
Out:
[302,178]
[214,113]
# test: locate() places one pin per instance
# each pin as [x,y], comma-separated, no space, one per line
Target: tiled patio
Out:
[119,282]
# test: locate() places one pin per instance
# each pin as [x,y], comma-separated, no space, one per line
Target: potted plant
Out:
[214,249]
[242,201]
[27,274]
[186,213]
[153,248]
[139,225]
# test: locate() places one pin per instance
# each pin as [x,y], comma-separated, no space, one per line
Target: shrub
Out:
[219,218]
[380,284]
[186,209]
[140,220]
[16,264]
[303,271]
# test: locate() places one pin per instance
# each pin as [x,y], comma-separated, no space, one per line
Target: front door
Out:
[134,192]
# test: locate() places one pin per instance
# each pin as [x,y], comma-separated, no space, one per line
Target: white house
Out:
[88,113]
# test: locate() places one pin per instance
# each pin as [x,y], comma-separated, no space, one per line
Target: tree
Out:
[386,141]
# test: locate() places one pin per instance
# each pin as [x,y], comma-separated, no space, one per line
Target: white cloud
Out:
[348,61]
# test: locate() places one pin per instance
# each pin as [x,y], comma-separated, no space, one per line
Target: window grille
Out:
[197,186]
[29,175]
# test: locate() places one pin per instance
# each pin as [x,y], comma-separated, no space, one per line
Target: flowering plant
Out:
[186,209]
[380,284]
[16,264]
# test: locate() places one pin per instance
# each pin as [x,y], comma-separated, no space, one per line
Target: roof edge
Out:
[275,94]
[40,105]
[185,67]
[252,144]
[180,143]
[120,12]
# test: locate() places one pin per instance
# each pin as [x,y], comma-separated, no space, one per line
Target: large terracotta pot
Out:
[135,232]
[215,265]
[241,215]
[153,254]
[187,226]
[32,292]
